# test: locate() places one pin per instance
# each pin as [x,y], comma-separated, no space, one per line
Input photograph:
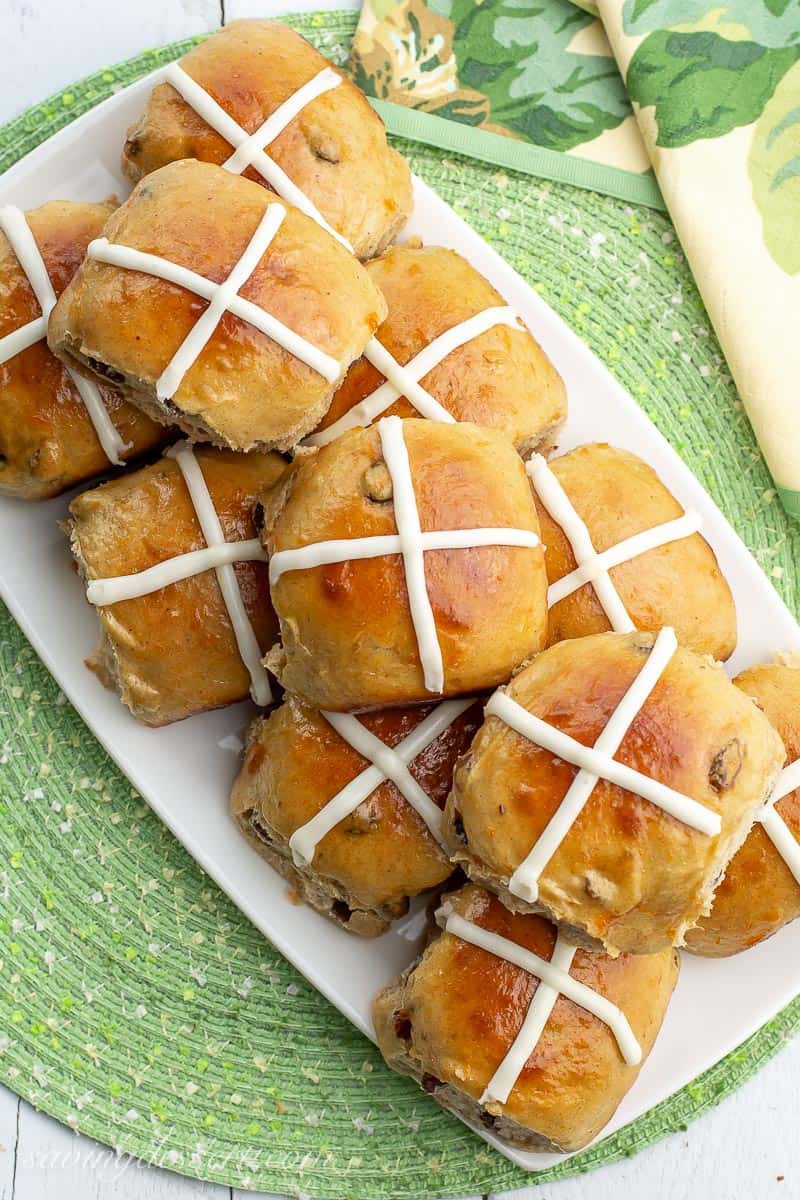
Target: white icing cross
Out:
[774,825]
[595,763]
[222,297]
[404,380]
[23,243]
[218,555]
[410,542]
[249,148]
[249,151]
[593,567]
[387,763]
[554,981]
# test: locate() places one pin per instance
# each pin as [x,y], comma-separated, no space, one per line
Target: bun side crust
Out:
[47,440]
[103,661]
[140,393]
[173,653]
[759,894]
[320,894]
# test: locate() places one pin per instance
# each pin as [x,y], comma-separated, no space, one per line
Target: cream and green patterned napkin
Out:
[539,72]
[714,87]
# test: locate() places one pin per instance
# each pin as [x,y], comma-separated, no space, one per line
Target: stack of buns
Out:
[489,674]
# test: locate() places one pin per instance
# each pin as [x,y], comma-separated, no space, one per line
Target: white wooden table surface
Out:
[748,1146]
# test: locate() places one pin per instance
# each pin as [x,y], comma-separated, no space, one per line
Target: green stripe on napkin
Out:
[530,159]
[503,79]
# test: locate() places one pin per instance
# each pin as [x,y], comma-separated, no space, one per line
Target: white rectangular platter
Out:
[716,1005]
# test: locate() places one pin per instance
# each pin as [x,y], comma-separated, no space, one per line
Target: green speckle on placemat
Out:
[137,1004]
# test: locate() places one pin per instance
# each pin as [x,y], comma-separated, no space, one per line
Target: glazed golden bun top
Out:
[348,641]
[47,440]
[627,873]
[382,852]
[501,379]
[244,390]
[759,893]
[456,1014]
[335,150]
[679,584]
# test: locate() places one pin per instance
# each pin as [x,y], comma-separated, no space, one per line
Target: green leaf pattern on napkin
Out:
[703,85]
[507,66]
[517,54]
[774,167]
[403,52]
[542,72]
[709,68]
[773,23]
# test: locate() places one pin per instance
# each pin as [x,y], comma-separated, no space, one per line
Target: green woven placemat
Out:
[136,1003]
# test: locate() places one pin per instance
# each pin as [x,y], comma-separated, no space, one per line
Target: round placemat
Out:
[137,1004]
